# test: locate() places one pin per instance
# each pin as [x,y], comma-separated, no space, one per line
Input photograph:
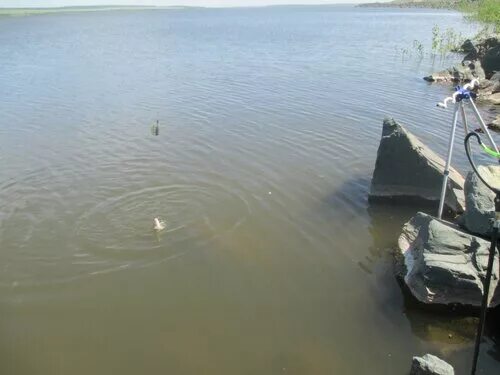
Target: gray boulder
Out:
[495,83]
[494,98]
[430,365]
[406,168]
[479,200]
[491,61]
[477,70]
[468,46]
[453,74]
[444,265]
[495,124]
[489,90]
[465,72]
[470,49]
[485,45]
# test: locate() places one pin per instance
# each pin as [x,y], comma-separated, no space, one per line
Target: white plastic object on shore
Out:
[444,104]
[467,86]
[471,84]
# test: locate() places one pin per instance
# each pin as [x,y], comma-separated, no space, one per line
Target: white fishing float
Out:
[158,225]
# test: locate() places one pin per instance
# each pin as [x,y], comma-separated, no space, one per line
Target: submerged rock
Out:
[444,265]
[480,213]
[430,365]
[406,168]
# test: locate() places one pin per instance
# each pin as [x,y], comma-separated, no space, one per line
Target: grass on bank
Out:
[485,11]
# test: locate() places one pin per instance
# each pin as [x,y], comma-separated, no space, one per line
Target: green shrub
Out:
[486,11]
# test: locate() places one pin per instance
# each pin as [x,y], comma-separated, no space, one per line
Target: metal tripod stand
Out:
[462,96]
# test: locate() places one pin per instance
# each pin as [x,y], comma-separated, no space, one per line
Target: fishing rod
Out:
[493,245]
[463,95]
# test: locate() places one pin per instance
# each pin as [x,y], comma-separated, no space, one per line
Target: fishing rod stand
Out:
[486,284]
[462,96]
[491,255]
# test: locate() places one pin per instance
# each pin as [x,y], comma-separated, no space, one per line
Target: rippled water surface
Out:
[272,261]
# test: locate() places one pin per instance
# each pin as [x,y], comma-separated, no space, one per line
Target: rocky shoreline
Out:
[481,62]
[443,262]
[435,4]
[440,264]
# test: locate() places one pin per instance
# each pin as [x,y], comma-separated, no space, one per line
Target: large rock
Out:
[480,213]
[430,365]
[444,265]
[494,98]
[468,46]
[491,61]
[490,90]
[495,124]
[405,167]
[484,45]
[476,68]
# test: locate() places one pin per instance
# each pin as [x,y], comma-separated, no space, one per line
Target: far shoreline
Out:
[412,4]
[33,11]
[19,12]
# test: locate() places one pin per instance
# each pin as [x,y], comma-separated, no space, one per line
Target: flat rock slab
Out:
[494,98]
[430,365]
[464,72]
[405,167]
[444,265]
[480,213]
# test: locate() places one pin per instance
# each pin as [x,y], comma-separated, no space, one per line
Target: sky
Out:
[215,3]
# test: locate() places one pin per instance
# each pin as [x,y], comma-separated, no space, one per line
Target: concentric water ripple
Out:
[124,224]
[55,244]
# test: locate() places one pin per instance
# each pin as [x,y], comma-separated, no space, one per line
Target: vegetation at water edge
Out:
[485,11]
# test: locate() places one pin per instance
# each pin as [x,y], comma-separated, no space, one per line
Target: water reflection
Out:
[448,332]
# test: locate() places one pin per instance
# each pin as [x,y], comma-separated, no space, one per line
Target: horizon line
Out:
[193,6]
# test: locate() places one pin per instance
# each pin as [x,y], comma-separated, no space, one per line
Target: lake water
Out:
[273,261]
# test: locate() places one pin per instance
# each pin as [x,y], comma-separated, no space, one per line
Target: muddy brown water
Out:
[273,261]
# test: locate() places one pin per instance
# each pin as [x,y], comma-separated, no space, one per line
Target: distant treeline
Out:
[71,9]
[485,11]
[441,4]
